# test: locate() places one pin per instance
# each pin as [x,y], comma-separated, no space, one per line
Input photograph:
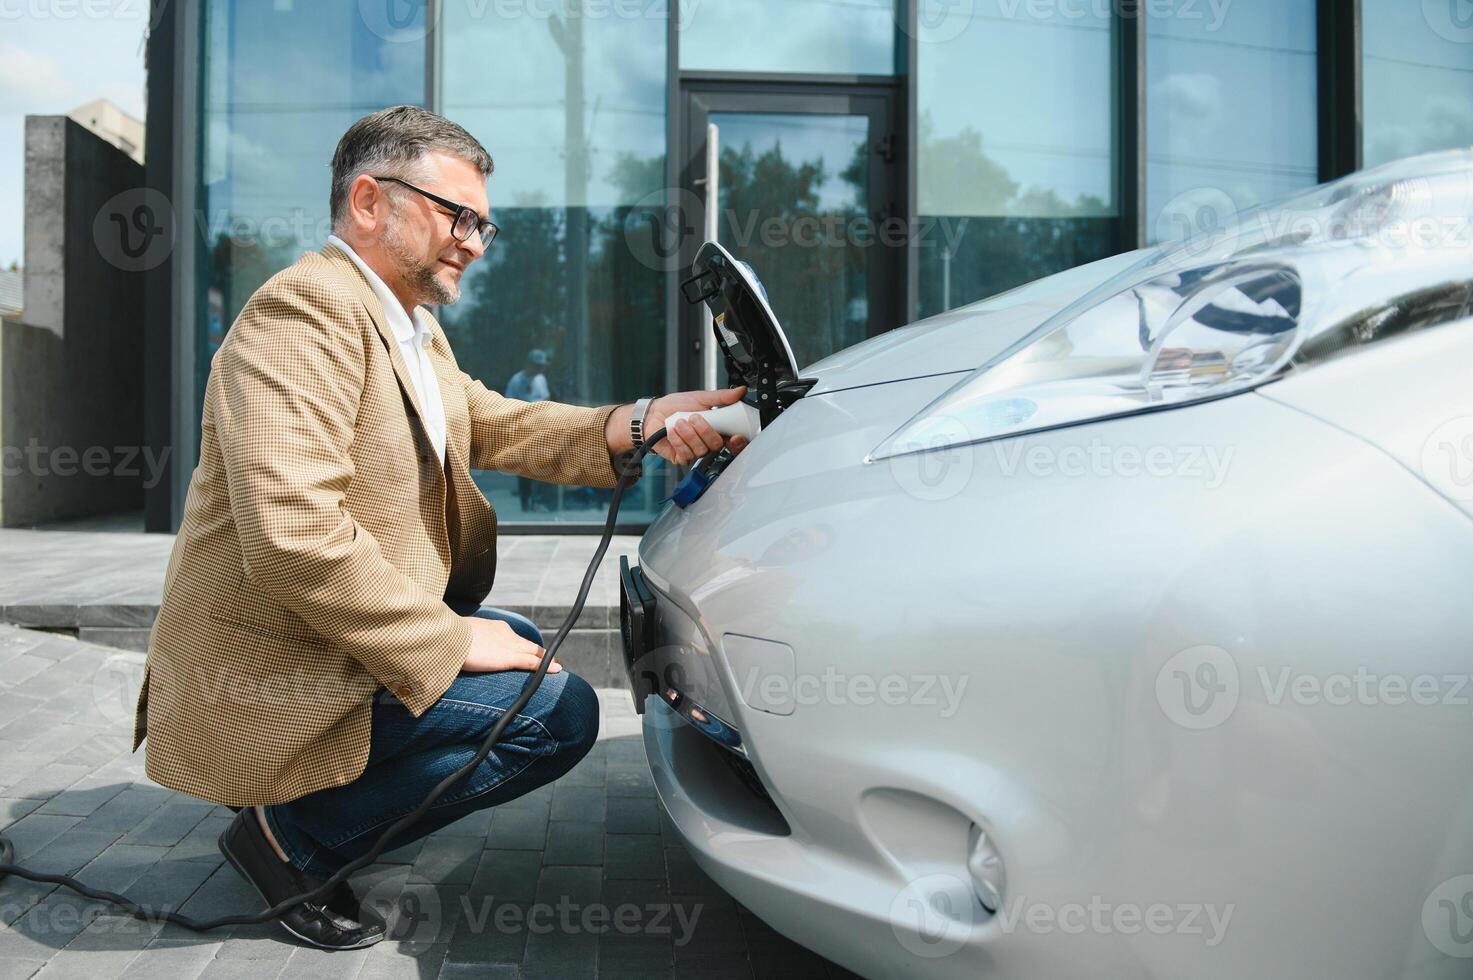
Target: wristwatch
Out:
[636,421]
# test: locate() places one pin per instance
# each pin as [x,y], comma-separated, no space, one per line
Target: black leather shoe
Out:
[335,922]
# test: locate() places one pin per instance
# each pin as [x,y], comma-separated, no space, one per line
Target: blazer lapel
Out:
[364,292]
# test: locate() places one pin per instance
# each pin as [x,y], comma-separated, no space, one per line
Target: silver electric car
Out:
[1120,625]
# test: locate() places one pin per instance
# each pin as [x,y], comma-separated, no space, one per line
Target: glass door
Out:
[801,185]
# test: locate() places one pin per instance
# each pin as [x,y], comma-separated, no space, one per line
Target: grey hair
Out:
[394,141]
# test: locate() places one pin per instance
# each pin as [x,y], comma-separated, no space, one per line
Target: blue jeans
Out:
[407,756]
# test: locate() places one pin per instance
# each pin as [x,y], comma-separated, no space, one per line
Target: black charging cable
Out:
[7,849]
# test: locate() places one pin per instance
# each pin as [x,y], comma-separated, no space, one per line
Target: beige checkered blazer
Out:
[320,536]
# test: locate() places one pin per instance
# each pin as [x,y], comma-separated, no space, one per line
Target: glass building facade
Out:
[876,161]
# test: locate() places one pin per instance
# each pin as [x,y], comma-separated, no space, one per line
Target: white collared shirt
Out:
[414,345]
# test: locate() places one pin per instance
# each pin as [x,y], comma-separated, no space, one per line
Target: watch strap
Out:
[636,421]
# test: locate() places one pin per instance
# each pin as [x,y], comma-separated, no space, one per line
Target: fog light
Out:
[985,864]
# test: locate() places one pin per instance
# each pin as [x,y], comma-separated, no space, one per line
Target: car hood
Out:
[960,341]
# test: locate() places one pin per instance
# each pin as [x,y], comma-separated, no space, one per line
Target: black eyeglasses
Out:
[466,220]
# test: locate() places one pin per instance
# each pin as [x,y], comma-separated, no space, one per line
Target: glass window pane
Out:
[1231,112]
[845,37]
[1016,157]
[1418,88]
[269,135]
[572,109]
[794,187]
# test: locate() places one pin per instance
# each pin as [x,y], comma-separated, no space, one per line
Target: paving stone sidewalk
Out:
[583,878]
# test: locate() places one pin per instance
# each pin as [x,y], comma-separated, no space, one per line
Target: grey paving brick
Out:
[120,865]
[633,815]
[452,860]
[507,874]
[492,930]
[201,843]
[629,780]
[86,965]
[22,668]
[514,830]
[19,969]
[72,851]
[267,946]
[575,842]
[83,797]
[12,810]
[572,802]
[46,782]
[634,957]
[633,856]
[391,960]
[48,926]
[480,971]
[36,830]
[126,810]
[173,962]
[306,963]
[170,823]
[168,884]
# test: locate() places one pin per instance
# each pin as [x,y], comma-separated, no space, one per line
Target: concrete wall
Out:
[71,371]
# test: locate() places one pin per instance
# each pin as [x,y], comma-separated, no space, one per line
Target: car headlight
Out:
[1347,264]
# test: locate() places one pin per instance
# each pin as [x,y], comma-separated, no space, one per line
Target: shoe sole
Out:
[281,922]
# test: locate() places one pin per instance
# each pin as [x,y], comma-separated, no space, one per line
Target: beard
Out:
[417,272]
